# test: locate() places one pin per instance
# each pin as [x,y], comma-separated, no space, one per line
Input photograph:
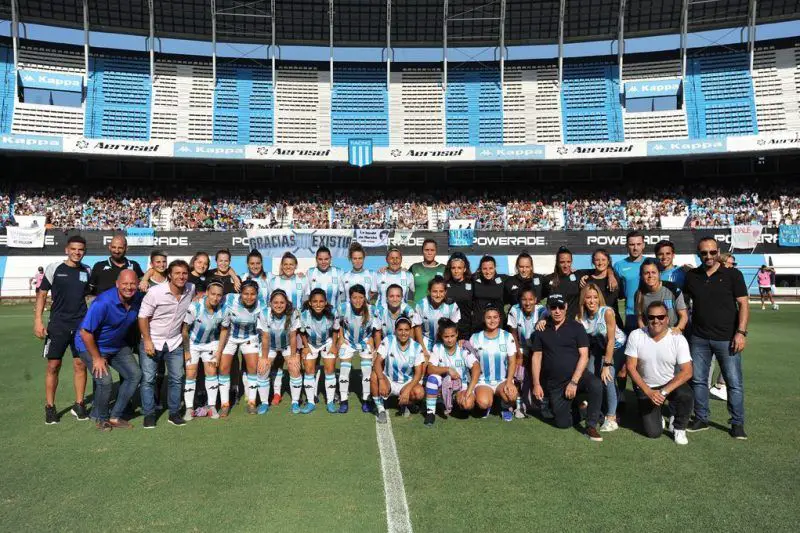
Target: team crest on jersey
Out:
[503,347]
[536,281]
[498,281]
[468,286]
[572,277]
[83,276]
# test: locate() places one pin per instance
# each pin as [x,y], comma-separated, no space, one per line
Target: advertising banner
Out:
[461,237]
[745,237]
[53,81]
[373,238]
[789,235]
[302,243]
[28,234]
[140,236]
[652,88]
[32,143]
[81,145]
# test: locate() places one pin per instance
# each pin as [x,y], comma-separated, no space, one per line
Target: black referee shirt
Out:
[67,286]
[559,349]
[105,273]
[715,312]
[514,284]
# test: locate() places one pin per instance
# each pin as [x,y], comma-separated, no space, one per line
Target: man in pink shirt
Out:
[160,321]
[764,277]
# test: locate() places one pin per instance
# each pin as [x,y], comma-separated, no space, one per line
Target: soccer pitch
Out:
[322,472]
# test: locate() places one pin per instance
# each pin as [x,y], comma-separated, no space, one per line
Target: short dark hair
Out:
[654,304]
[254,253]
[663,244]
[157,253]
[706,239]
[634,233]
[393,286]
[323,250]
[429,241]
[76,238]
[355,247]
[222,251]
[177,263]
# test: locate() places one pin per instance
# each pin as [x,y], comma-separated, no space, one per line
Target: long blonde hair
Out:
[582,307]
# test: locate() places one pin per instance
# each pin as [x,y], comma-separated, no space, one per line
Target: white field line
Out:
[397,518]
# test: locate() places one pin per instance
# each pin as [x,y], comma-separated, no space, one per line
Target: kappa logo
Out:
[396,152]
[761,142]
[82,145]
[562,150]
[262,150]
[27,77]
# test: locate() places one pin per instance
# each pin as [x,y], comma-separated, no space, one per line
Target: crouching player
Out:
[316,330]
[497,355]
[278,326]
[522,319]
[398,370]
[454,369]
[201,328]
[354,324]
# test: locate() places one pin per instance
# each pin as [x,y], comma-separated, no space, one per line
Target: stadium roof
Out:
[413,22]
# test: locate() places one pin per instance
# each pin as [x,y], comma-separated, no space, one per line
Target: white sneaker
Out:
[720,393]
[609,425]
[775,307]
[518,413]
[680,437]
[188,415]
[763,307]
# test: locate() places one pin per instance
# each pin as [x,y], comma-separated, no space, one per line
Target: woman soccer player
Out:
[316,330]
[497,353]
[255,272]
[394,274]
[563,280]
[603,276]
[278,325]
[433,308]
[454,369]
[523,277]
[324,276]
[457,276]
[606,347]
[201,328]
[386,314]
[487,289]
[239,333]
[358,275]
[224,273]
[652,289]
[354,327]
[398,370]
[522,319]
[199,274]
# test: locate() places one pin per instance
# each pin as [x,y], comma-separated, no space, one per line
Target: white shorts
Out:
[395,388]
[492,386]
[323,351]
[346,352]
[202,351]
[250,345]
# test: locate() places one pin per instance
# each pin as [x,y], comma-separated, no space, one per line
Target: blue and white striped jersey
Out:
[403,278]
[493,355]
[596,327]
[294,288]
[430,315]
[263,288]
[356,330]
[240,319]
[365,278]
[203,324]
[398,364]
[319,330]
[526,324]
[461,360]
[329,281]
[383,319]
[275,326]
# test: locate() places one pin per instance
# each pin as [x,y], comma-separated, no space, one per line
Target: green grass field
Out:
[322,472]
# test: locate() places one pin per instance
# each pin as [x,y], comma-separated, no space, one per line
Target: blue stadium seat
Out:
[6,89]
[243,105]
[118,98]
[474,107]
[590,103]
[359,106]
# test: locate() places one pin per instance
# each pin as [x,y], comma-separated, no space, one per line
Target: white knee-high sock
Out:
[188,393]
[310,386]
[225,389]
[252,389]
[295,388]
[330,386]
[278,383]
[212,388]
[263,387]
[344,380]
[366,375]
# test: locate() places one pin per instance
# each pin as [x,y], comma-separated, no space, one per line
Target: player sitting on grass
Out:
[398,370]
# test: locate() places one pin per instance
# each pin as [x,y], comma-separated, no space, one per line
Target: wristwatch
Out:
[573,382]
[605,364]
[742,332]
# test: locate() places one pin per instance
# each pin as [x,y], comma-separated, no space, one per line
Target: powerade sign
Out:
[209,151]
[652,88]
[34,143]
[684,147]
[510,153]
[51,81]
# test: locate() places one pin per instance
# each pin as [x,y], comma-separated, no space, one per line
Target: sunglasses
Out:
[558,306]
[651,318]
[705,253]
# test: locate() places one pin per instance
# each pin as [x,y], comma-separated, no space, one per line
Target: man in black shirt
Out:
[560,357]
[720,312]
[105,273]
[67,281]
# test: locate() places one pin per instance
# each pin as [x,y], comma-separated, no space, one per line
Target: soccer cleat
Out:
[609,426]
[295,408]
[737,432]
[251,409]
[121,423]
[50,414]
[382,418]
[149,422]
[344,407]
[414,408]
[308,408]
[697,425]
[719,392]
[176,420]
[104,425]
[593,434]
[763,307]
[507,415]
[331,407]
[224,410]
[365,407]
[79,411]
[518,413]
[188,415]
[487,413]
[430,418]
[680,437]
[263,408]
[212,412]
[201,412]
[276,399]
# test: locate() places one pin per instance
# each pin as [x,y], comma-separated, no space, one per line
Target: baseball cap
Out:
[556,300]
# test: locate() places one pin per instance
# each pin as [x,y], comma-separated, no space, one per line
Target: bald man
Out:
[105,273]
[102,344]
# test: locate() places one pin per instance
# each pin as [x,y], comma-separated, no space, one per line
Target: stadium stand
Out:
[667,124]
[359,106]
[302,106]
[775,88]
[531,105]
[473,103]
[182,101]
[244,111]
[590,103]
[6,89]
[416,107]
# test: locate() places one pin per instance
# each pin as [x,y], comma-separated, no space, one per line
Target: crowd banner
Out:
[373,238]
[745,237]
[461,237]
[673,222]
[789,235]
[29,233]
[302,242]
[140,236]
[402,238]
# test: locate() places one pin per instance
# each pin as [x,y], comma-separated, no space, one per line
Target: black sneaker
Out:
[79,411]
[50,415]
[697,425]
[149,422]
[737,432]
[430,418]
[177,420]
[414,408]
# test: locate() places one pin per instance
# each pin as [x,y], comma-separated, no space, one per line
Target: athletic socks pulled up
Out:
[330,387]
[212,389]
[379,404]
[310,386]
[295,388]
[263,387]
[366,375]
[277,385]
[252,389]
[189,387]
[344,380]
[432,386]
[225,388]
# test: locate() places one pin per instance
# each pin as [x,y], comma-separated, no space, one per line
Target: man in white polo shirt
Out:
[660,365]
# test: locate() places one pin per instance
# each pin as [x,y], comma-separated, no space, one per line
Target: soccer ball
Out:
[775,307]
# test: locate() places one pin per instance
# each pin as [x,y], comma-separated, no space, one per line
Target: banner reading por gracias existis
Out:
[300,242]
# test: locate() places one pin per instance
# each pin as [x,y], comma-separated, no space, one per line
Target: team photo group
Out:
[448,341]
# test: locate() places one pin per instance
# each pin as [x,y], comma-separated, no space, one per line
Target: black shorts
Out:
[765,290]
[57,342]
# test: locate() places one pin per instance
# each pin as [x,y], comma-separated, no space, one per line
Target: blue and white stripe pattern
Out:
[525,324]
[241,320]
[430,315]
[384,320]
[263,288]
[275,326]
[403,278]
[294,288]
[493,355]
[596,327]
[398,364]
[318,329]
[365,278]
[461,360]
[204,325]
[356,330]
[359,152]
[329,281]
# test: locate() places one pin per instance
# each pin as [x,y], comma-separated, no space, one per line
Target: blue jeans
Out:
[610,390]
[174,362]
[703,350]
[125,364]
